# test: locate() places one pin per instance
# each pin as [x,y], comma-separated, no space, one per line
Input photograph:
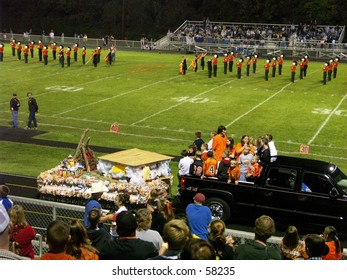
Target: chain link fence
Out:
[39,213]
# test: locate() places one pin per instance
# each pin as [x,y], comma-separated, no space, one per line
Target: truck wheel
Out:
[219,208]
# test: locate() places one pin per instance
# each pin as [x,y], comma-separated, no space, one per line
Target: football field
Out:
[159,110]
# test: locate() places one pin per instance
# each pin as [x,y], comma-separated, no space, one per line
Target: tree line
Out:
[133,19]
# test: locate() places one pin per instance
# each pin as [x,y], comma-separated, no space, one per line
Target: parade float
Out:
[134,171]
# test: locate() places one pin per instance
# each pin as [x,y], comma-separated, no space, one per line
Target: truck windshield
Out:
[341,180]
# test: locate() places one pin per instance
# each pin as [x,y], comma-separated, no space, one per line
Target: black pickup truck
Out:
[309,194]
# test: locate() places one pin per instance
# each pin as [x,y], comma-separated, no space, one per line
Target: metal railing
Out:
[39,213]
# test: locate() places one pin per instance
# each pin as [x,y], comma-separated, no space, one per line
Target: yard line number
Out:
[325,111]
[64,88]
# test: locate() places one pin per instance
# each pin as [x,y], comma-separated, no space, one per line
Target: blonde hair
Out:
[144,219]
[17,216]
[176,233]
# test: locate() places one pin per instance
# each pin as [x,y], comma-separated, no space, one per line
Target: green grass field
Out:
[159,110]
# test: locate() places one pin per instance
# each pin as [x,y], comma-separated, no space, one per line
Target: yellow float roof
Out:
[134,157]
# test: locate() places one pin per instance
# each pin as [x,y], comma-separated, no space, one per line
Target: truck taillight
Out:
[183,180]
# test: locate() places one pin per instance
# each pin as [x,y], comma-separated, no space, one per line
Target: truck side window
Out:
[317,183]
[281,178]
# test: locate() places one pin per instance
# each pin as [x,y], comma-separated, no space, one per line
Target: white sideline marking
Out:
[257,106]
[327,120]
[173,139]
[178,104]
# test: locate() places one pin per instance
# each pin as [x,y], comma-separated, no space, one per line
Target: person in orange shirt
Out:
[334,244]
[68,56]
[274,65]
[267,69]
[330,69]
[215,65]
[45,55]
[26,53]
[31,47]
[98,53]
[40,48]
[231,61]
[305,64]
[54,50]
[61,55]
[245,142]
[336,64]
[219,142]
[225,63]
[13,46]
[84,53]
[75,51]
[58,235]
[254,61]
[1,52]
[302,67]
[293,70]
[234,172]
[239,67]
[19,50]
[254,169]
[79,246]
[204,150]
[325,70]
[210,166]
[231,147]
[280,64]
[248,65]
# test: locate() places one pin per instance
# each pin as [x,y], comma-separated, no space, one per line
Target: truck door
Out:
[278,195]
[320,205]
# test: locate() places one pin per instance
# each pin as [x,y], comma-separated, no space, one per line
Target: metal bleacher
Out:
[191,37]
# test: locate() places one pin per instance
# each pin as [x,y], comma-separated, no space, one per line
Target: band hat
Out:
[4,218]
[97,187]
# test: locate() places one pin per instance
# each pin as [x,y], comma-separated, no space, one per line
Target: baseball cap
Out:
[199,197]
[15,94]
[4,218]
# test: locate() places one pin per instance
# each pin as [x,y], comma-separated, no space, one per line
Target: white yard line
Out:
[116,96]
[181,103]
[327,120]
[257,106]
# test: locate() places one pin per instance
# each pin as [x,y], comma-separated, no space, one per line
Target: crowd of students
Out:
[223,159]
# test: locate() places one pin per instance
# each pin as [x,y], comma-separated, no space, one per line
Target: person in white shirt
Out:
[273,150]
[184,164]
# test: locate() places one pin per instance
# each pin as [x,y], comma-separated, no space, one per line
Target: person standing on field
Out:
[267,69]
[325,70]
[1,52]
[293,70]
[14,106]
[33,108]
